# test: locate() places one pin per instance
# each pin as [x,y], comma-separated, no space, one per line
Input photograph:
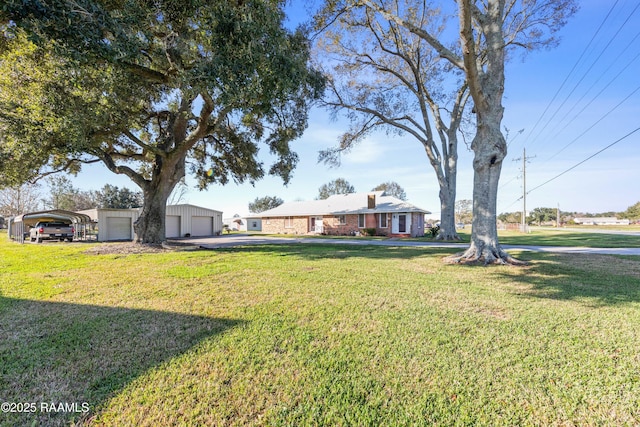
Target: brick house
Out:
[347,214]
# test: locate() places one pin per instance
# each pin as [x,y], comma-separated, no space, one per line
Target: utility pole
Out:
[524,190]
[524,159]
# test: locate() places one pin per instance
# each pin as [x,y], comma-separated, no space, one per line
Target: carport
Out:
[20,225]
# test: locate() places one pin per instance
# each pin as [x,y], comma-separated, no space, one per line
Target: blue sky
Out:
[604,83]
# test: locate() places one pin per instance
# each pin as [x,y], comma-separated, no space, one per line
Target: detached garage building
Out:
[181,221]
[113,224]
[192,221]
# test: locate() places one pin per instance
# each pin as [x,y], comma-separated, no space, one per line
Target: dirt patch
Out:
[124,248]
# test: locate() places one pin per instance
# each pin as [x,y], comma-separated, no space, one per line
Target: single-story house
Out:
[243,223]
[347,214]
[180,221]
[601,221]
[20,225]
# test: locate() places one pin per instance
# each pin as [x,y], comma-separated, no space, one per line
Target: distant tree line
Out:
[541,215]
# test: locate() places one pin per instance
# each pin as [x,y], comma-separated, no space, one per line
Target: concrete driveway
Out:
[231,240]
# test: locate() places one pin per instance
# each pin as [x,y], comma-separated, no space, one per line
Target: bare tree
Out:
[464,211]
[63,195]
[179,194]
[488,29]
[20,199]
[385,76]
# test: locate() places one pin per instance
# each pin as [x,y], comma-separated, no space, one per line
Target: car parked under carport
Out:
[20,226]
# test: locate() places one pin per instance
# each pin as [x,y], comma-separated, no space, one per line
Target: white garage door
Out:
[118,228]
[201,226]
[172,226]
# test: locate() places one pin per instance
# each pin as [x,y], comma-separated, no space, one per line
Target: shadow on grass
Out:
[82,354]
[322,251]
[597,280]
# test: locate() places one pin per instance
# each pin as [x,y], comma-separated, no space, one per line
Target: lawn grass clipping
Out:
[319,335]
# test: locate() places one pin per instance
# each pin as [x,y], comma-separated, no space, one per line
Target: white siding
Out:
[187,213]
[172,226]
[180,220]
[202,226]
[102,215]
[254,224]
[119,228]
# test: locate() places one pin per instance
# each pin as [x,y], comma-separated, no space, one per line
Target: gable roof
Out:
[342,204]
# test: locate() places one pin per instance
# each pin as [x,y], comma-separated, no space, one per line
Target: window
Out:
[254,224]
[288,222]
[383,220]
[361,221]
[342,219]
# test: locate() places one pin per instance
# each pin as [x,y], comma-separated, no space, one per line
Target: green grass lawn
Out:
[537,237]
[560,237]
[318,335]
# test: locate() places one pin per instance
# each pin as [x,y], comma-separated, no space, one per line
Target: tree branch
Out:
[445,53]
[110,163]
[148,74]
[143,145]
[469,53]
[66,166]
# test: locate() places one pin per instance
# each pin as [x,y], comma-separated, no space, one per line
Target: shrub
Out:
[433,231]
[368,231]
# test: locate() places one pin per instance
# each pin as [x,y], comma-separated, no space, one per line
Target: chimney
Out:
[371,201]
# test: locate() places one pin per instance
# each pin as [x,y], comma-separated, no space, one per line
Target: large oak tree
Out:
[153,90]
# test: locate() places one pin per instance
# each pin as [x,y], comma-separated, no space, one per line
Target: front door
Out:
[399,224]
[316,224]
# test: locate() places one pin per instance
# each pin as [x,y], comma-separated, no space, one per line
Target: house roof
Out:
[342,204]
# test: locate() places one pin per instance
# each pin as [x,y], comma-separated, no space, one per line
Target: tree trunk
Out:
[150,225]
[490,149]
[448,212]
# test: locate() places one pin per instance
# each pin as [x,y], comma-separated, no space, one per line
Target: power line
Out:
[584,75]
[595,123]
[574,166]
[585,160]
[595,97]
[570,72]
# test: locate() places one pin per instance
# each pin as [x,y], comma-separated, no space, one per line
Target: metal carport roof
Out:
[17,224]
